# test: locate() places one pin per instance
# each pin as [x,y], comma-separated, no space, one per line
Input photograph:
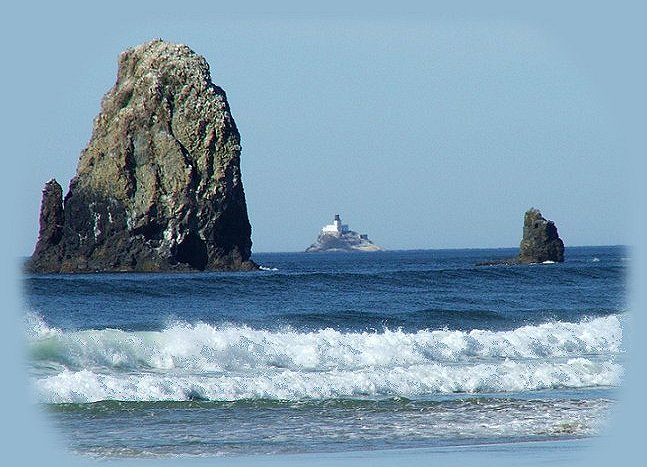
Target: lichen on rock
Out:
[158,187]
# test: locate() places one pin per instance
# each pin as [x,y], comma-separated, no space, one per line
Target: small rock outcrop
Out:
[158,188]
[338,237]
[51,225]
[540,242]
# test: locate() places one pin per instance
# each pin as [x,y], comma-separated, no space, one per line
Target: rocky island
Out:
[540,242]
[338,237]
[158,187]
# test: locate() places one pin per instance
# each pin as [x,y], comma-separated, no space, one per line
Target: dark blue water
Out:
[346,291]
[327,352]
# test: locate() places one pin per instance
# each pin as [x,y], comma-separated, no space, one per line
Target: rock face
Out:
[540,242]
[338,237]
[158,187]
[51,223]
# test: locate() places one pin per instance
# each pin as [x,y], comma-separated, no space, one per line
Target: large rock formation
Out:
[158,187]
[540,242]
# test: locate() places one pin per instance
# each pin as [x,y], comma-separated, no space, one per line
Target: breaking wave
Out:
[224,363]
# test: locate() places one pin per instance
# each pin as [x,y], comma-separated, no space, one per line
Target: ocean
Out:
[331,353]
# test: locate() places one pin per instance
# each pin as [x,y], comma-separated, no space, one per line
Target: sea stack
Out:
[338,237]
[158,188]
[540,242]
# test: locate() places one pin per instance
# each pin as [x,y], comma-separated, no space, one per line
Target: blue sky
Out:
[432,129]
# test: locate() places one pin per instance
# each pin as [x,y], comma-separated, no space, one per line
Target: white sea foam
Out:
[237,362]
[284,384]
[203,347]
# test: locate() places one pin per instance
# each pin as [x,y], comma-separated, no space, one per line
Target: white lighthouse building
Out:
[338,237]
[336,228]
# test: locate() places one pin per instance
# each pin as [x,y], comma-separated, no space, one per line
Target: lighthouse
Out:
[336,228]
[339,237]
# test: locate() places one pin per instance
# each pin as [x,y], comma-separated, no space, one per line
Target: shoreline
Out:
[546,452]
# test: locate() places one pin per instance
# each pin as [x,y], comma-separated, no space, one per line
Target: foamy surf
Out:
[202,361]
[411,382]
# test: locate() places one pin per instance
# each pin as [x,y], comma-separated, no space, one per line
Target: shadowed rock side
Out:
[540,242]
[158,187]
[48,249]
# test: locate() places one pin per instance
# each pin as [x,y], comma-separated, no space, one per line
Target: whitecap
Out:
[37,328]
[235,362]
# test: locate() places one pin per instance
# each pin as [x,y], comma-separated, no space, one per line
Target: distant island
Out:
[338,237]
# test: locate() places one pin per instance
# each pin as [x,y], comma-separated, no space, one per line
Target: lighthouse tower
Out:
[336,228]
